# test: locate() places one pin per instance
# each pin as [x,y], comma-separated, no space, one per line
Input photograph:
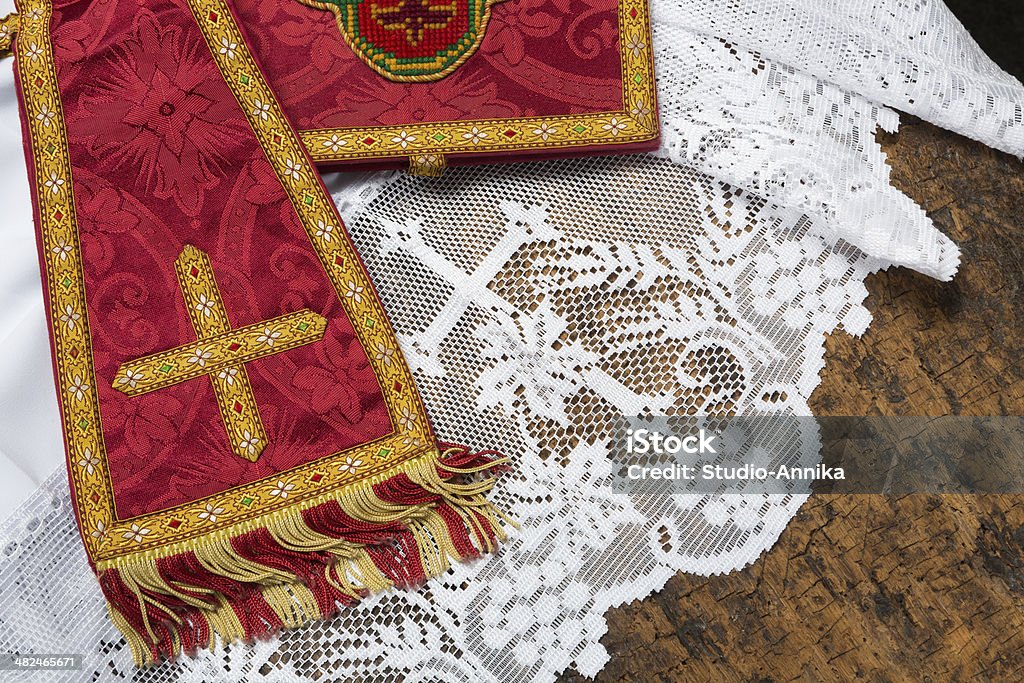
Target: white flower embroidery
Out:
[384,353]
[293,169]
[200,356]
[228,48]
[249,442]
[640,109]
[78,388]
[544,131]
[62,250]
[282,489]
[34,52]
[335,143]
[88,461]
[70,317]
[323,230]
[268,337]
[354,291]
[131,378]
[412,441]
[101,532]
[205,305]
[636,46]
[614,126]
[45,115]
[262,109]
[475,135]
[54,183]
[136,533]
[35,14]
[228,375]
[403,139]
[210,513]
[350,465]
[407,421]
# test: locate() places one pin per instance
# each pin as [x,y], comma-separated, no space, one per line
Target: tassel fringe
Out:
[304,564]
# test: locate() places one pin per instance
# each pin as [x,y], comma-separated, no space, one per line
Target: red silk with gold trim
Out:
[246,446]
[530,79]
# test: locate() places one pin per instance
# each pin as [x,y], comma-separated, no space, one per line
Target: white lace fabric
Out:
[538,302]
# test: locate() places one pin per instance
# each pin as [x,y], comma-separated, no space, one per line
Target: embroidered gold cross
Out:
[220,352]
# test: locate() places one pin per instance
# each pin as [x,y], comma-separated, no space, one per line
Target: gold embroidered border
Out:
[168,531]
[635,122]
[8,29]
[231,386]
[211,355]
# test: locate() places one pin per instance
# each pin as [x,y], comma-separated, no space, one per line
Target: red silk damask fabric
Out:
[246,447]
[549,77]
[156,137]
[538,57]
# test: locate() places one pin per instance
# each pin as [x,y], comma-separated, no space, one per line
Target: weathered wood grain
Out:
[919,588]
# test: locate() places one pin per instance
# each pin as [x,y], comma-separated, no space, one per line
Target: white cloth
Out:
[536,302]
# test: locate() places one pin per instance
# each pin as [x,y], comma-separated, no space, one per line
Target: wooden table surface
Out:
[866,587]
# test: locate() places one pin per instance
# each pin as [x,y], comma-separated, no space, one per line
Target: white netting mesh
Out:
[536,302]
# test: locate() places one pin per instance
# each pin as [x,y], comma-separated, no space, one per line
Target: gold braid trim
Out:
[352,572]
[9,26]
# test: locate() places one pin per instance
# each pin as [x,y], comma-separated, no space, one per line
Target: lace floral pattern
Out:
[535,325]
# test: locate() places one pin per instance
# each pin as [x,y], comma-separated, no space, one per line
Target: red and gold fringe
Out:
[303,565]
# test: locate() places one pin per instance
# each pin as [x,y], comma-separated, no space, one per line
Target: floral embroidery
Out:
[403,139]
[136,533]
[636,45]
[54,183]
[88,461]
[268,337]
[324,230]
[204,305]
[261,109]
[282,489]
[228,48]
[384,353]
[100,532]
[476,136]
[210,513]
[350,466]
[228,375]
[249,442]
[544,131]
[199,356]
[354,291]
[131,378]
[615,126]
[293,169]
[62,250]
[70,317]
[78,388]
[407,420]
[334,143]
[45,115]
[159,110]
